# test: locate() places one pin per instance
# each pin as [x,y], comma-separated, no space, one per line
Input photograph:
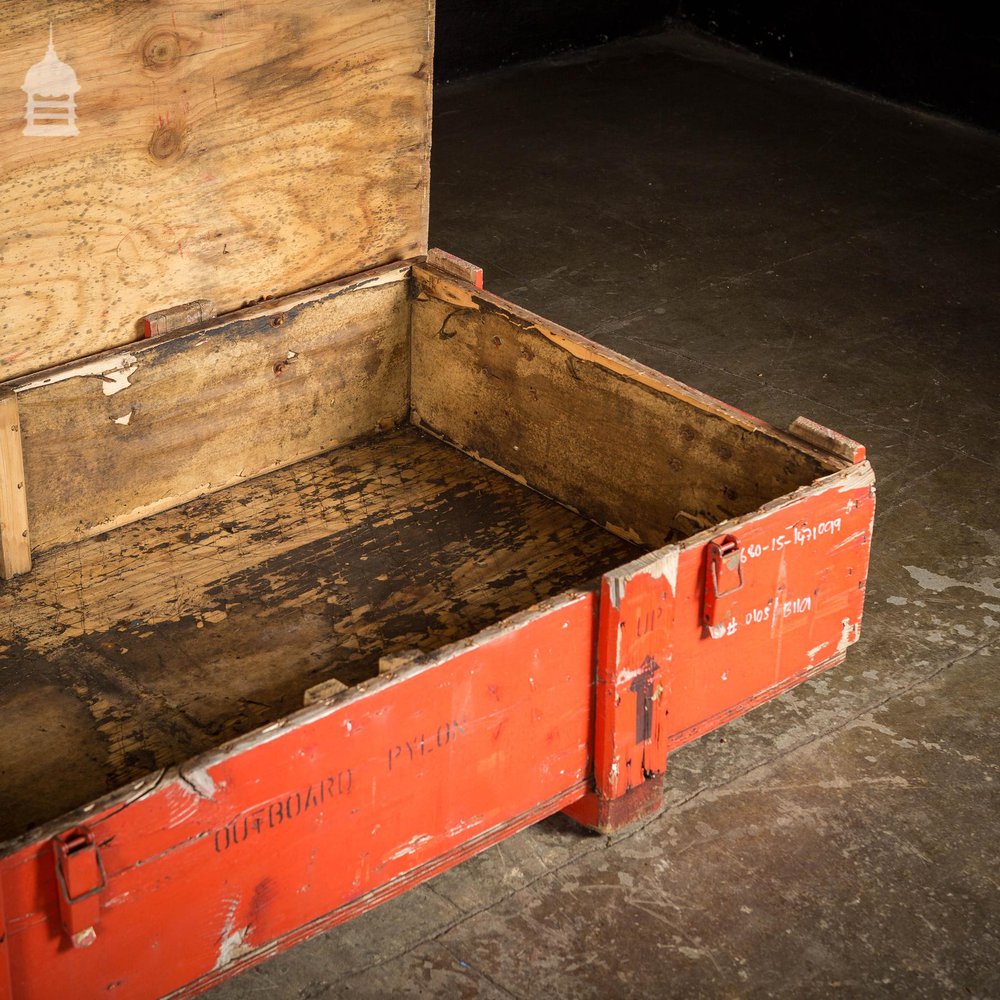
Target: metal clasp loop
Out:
[723,578]
[81,877]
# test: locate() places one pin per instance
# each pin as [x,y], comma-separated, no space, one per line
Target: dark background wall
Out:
[475,35]
[939,55]
[942,55]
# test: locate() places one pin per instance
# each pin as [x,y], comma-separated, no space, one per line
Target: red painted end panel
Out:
[804,565]
[333,810]
[634,662]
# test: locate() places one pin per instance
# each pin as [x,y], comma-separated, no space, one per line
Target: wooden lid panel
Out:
[155,153]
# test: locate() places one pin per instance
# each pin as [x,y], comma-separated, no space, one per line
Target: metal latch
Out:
[723,579]
[81,878]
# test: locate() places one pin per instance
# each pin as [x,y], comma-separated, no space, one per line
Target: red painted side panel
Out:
[5,981]
[803,564]
[334,810]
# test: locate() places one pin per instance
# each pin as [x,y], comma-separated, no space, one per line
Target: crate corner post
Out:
[634,640]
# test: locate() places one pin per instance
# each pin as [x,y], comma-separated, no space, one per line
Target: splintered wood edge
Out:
[15,543]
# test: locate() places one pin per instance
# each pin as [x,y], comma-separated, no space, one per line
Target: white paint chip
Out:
[114,373]
[124,420]
[116,381]
[198,779]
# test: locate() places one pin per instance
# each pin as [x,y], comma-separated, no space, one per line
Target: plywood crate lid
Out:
[156,153]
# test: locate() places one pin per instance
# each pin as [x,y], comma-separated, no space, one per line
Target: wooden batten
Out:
[15,544]
[324,692]
[827,440]
[455,267]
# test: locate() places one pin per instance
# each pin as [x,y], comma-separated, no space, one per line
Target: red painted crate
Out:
[325,568]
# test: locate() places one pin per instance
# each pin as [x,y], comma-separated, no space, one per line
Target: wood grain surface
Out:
[224,152]
[126,434]
[631,449]
[15,544]
[137,649]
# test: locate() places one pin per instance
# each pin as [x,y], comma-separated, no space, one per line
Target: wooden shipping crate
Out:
[325,568]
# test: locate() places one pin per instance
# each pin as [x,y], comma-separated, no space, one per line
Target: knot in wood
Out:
[165,143]
[161,50]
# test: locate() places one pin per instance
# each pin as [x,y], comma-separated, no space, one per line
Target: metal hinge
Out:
[81,877]
[723,579]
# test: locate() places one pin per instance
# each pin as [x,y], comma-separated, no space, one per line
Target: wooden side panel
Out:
[804,564]
[318,817]
[221,151]
[177,418]
[631,449]
[15,546]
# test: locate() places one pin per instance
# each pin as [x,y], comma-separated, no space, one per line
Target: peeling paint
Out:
[857,538]
[116,381]
[200,781]
[846,635]
[409,847]
[233,946]
[659,565]
[114,373]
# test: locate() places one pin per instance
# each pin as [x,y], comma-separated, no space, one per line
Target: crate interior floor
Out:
[135,650]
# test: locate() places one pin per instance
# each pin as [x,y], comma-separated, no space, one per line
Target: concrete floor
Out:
[792,248]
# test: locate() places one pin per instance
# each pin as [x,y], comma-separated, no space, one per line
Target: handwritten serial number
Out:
[801,534]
